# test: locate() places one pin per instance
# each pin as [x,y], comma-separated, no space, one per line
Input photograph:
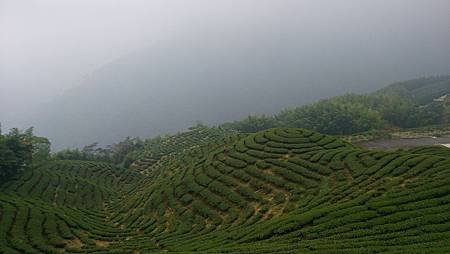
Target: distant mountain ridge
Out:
[409,104]
[422,90]
[214,79]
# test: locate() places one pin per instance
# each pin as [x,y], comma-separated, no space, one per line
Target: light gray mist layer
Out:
[98,70]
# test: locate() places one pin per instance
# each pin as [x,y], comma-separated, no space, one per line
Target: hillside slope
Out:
[421,91]
[276,191]
[409,104]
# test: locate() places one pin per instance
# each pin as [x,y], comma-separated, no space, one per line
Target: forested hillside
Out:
[421,91]
[283,190]
[408,104]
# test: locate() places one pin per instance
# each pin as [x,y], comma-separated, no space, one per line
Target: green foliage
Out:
[16,152]
[432,150]
[421,91]
[408,104]
[122,153]
[222,197]
[253,123]
[338,115]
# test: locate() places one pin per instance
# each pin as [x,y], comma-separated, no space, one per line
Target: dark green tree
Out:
[16,152]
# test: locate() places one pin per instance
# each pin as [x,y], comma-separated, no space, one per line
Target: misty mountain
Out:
[216,78]
[421,91]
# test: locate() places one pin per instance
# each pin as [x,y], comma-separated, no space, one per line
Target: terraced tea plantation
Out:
[277,191]
[175,144]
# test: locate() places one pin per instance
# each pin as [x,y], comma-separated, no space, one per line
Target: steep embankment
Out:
[280,190]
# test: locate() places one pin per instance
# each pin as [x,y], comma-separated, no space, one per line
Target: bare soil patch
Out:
[101,243]
[74,243]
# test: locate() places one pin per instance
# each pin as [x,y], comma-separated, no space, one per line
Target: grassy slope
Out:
[280,190]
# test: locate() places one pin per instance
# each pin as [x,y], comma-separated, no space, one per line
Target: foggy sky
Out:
[48,46]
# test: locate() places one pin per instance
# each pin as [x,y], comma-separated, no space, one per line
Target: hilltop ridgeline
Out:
[408,104]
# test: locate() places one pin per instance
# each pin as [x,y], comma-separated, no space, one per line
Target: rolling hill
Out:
[405,105]
[282,190]
[421,91]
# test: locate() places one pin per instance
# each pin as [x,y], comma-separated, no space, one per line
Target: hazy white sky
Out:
[47,46]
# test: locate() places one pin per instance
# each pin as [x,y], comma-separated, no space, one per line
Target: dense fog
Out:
[87,71]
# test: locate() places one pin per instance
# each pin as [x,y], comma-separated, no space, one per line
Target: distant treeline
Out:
[20,149]
[125,152]
[404,105]
[122,153]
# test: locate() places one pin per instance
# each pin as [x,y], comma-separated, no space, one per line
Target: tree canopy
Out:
[351,113]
